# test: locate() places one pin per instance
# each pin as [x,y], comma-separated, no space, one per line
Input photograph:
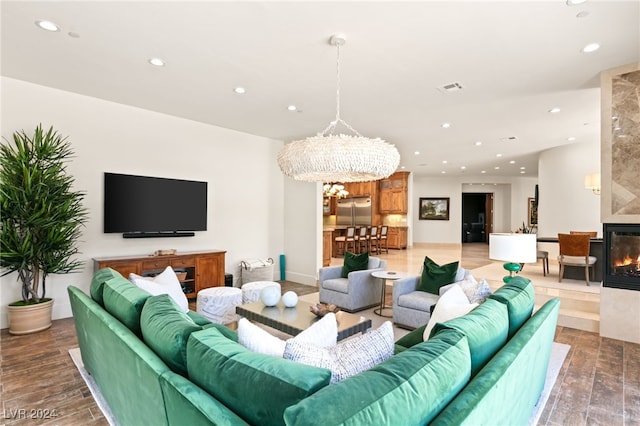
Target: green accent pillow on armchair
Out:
[435,276]
[354,262]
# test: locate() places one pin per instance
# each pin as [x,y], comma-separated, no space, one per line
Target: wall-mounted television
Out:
[143,206]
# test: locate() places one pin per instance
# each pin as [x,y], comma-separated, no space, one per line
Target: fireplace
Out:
[622,256]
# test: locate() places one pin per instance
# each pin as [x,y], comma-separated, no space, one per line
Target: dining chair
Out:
[574,251]
[591,234]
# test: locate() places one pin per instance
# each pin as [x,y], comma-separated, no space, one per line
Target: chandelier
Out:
[334,190]
[330,157]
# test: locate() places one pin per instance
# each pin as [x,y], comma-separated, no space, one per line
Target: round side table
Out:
[384,276]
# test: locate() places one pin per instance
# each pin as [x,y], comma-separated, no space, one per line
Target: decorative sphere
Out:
[270,296]
[290,299]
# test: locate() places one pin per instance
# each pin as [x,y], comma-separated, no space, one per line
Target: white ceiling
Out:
[515,59]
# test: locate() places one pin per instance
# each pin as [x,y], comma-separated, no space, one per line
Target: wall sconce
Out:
[592,182]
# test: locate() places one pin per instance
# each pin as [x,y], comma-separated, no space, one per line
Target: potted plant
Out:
[40,221]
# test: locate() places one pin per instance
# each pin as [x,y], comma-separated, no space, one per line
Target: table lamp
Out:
[514,249]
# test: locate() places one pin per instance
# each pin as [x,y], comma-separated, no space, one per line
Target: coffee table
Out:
[297,319]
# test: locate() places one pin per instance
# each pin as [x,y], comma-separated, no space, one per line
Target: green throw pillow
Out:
[435,276]
[354,262]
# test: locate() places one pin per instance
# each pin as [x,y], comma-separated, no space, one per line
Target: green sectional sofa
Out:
[157,365]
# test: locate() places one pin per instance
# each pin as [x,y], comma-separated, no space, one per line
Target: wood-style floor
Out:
[599,382]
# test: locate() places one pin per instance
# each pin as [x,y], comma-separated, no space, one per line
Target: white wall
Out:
[303,225]
[564,203]
[509,203]
[246,188]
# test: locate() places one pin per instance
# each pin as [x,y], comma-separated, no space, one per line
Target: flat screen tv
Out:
[142,206]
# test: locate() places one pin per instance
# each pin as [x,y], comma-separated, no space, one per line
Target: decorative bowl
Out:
[321,309]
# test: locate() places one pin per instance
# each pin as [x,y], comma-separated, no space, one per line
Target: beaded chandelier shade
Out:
[329,157]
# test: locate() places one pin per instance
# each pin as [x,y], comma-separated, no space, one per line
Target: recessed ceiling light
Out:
[498,155]
[522,172]
[496,168]
[512,162]
[591,47]
[575,2]
[403,167]
[417,153]
[522,168]
[484,171]
[443,172]
[292,108]
[239,90]
[47,25]
[571,138]
[463,167]
[554,110]
[444,161]
[157,62]
[446,125]
[478,143]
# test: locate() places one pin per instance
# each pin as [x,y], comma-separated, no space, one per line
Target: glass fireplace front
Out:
[622,256]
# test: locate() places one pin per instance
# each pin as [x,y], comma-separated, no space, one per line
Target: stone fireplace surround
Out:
[620,199]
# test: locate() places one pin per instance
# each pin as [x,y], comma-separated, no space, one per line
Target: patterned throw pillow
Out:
[322,334]
[349,357]
[477,292]
[354,262]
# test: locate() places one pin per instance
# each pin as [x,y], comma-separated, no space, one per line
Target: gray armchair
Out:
[412,307]
[357,292]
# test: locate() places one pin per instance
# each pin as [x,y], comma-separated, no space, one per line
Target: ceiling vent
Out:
[451,87]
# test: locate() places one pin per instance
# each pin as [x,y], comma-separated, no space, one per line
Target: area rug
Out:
[93,387]
[559,352]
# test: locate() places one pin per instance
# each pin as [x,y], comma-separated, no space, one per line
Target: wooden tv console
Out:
[204,269]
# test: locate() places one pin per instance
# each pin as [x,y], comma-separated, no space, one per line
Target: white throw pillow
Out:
[163,283]
[323,334]
[453,304]
[348,357]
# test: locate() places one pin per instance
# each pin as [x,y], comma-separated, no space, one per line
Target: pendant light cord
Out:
[332,126]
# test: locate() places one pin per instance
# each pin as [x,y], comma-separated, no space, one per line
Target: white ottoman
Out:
[251,291]
[218,304]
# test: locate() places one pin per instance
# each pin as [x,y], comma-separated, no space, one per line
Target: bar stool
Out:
[372,236]
[362,243]
[344,241]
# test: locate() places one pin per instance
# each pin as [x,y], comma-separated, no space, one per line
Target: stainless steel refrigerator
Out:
[355,211]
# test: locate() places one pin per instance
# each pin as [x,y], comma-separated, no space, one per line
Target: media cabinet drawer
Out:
[183,262]
[150,265]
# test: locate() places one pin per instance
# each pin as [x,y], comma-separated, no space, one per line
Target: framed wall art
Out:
[434,208]
[532,213]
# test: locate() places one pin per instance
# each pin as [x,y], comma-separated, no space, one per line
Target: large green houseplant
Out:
[41,219]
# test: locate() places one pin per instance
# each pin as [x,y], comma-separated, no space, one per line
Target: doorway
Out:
[477,217]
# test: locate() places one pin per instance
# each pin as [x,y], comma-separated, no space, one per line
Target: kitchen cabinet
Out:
[203,269]
[329,206]
[393,194]
[397,237]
